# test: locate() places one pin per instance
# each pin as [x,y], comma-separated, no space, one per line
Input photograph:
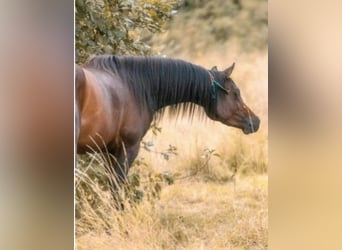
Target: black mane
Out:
[157,82]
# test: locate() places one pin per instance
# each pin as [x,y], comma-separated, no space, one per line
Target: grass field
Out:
[189,215]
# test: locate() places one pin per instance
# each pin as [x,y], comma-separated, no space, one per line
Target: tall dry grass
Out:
[189,215]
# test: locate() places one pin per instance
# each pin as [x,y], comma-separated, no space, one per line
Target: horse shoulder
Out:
[135,123]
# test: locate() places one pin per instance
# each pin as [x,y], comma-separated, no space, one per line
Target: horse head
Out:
[230,108]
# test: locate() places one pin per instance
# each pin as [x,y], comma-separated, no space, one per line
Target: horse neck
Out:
[191,86]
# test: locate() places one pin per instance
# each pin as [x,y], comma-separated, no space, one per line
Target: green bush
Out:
[117,26]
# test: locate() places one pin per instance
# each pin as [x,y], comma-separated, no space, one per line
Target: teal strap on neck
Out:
[226,91]
[215,85]
[213,90]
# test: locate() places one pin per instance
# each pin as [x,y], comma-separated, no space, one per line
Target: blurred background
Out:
[36,128]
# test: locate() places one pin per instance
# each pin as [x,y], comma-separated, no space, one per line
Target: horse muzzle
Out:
[251,125]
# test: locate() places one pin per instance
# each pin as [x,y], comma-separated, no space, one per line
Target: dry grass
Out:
[189,215]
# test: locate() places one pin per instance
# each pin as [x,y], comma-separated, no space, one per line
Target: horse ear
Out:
[228,71]
[214,68]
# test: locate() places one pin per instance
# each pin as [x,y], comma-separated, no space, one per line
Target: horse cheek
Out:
[223,110]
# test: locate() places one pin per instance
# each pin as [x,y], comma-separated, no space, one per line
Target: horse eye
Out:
[236,95]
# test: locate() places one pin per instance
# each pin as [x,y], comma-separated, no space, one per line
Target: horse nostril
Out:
[256,123]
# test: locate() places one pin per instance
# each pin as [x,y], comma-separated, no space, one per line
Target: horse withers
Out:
[117,98]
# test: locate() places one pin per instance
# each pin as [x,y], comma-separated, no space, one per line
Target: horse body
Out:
[108,118]
[118,97]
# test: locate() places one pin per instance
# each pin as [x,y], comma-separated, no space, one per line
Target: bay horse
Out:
[117,98]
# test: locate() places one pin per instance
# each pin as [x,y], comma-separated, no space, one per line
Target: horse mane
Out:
[157,82]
